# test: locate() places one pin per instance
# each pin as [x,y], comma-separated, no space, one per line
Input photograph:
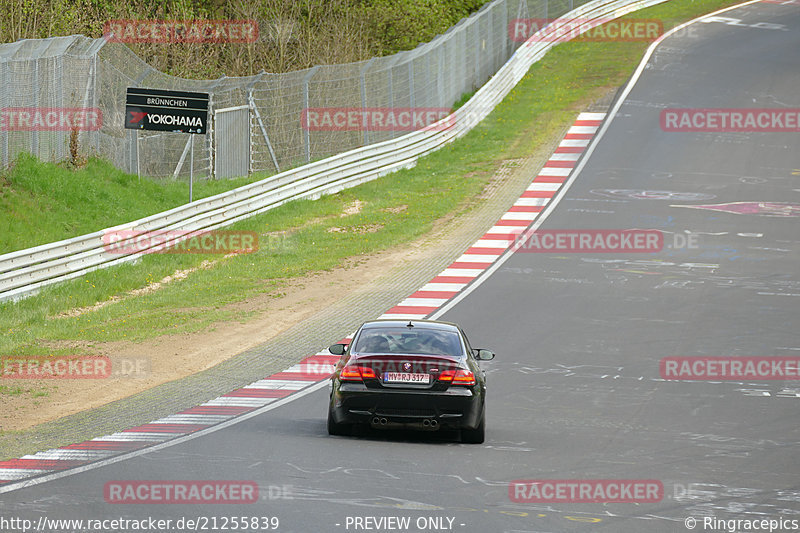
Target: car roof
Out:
[422,324]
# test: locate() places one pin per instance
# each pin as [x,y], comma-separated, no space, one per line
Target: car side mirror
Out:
[483,355]
[337,349]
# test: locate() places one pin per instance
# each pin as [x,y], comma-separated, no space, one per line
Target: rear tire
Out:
[477,435]
[335,428]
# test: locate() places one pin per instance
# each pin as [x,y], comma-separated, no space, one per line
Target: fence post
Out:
[362,74]
[62,150]
[507,37]
[97,46]
[210,174]
[478,79]
[390,85]
[522,6]
[389,67]
[4,82]
[133,138]
[179,166]
[411,83]
[35,133]
[88,100]
[490,39]
[440,74]
[463,84]
[254,107]
[306,135]
[94,103]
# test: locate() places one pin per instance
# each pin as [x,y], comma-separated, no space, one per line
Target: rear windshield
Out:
[409,341]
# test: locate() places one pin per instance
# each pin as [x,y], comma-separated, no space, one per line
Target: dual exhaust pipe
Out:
[430,423]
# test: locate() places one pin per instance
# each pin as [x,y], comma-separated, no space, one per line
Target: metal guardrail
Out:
[25,272]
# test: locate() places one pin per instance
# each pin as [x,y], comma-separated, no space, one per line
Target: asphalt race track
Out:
[575,391]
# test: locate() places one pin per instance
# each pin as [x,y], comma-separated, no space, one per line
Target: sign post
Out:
[175,111]
[191,166]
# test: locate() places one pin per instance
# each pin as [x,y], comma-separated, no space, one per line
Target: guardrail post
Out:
[306,133]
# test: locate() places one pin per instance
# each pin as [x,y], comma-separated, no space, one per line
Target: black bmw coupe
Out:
[416,374]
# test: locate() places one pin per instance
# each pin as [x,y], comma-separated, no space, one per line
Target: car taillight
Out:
[356,373]
[458,377]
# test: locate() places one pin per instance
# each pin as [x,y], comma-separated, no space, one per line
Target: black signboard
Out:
[156,110]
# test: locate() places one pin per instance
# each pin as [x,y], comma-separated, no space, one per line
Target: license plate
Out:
[406,377]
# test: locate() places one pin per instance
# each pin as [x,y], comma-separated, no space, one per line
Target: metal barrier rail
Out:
[25,272]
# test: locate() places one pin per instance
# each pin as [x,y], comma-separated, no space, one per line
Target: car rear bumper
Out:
[457,407]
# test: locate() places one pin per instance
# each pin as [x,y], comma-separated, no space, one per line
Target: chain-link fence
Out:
[78,72]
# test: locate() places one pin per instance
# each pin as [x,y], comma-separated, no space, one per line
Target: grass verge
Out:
[44,202]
